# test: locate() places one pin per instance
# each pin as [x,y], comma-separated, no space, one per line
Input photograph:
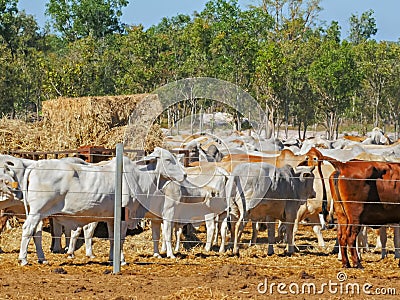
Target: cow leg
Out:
[37,239]
[73,238]
[290,237]
[124,228]
[3,222]
[167,234]
[362,241]
[28,230]
[342,238]
[354,229]
[178,235]
[210,225]
[88,232]
[155,231]
[110,227]
[378,244]
[237,229]
[383,240]
[56,234]
[255,226]
[281,238]
[396,241]
[223,230]
[271,235]
[217,231]
[318,232]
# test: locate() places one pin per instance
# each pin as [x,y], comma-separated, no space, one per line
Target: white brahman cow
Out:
[257,190]
[192,200]
[11,175]
[85,193]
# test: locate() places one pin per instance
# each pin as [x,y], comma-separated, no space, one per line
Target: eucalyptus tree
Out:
[281,73]
[393,98]
[334,76]
[270,78]
[304,99]
[380,64]
[236,37]
[20,59]
[362,28]
[85,67]
[75,19]
[135,57]
[292,18]
[172,48]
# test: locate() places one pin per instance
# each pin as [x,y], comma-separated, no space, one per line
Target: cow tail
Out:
[325,211]
[25,182]
[230,186]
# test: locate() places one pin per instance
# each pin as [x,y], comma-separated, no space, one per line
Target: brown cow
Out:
[282,158]
[3,221]
[364,193]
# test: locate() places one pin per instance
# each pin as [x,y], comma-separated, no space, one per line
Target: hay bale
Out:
[78,121]
[69,123]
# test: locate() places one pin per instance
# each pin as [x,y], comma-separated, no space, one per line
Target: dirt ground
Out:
[311,273]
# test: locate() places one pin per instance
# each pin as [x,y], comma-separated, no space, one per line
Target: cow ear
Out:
[151,158]
[7,168]
[223,171]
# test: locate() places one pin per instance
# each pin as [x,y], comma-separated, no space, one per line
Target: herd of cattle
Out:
[349,183]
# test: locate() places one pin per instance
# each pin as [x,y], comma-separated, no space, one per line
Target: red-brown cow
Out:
[364,193]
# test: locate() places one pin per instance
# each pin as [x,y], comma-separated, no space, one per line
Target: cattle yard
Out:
[196,274]
[311,272]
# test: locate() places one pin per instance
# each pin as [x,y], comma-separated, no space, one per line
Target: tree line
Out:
[300,69]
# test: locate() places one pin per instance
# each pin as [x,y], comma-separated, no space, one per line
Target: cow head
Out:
[306,178]
[315,158]
[8,191]
[164,164]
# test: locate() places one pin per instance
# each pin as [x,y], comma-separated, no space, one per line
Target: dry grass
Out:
[194,274]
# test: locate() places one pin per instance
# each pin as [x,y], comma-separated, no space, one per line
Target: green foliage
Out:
[75,19]
[362,28]
[300,73]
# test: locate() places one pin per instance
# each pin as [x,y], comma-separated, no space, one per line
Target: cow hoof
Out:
[157,255]
[71,256]
[91,256]
[124,263]
[23,262]
[43,262]
[359,266]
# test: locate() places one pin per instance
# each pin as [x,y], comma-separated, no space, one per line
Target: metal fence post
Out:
[117,208]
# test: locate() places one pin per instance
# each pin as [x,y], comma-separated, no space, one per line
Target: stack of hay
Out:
[69,123]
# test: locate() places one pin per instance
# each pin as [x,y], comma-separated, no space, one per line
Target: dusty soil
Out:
[195,274]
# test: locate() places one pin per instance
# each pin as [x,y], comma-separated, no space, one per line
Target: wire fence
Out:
[180,220]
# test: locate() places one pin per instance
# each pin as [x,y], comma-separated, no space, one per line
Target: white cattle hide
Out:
[257,190]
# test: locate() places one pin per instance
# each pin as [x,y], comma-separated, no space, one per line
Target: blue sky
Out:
[149,12]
